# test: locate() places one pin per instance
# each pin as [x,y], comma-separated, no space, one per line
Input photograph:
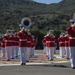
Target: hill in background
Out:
[44,17]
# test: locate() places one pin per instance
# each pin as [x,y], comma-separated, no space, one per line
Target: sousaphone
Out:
[26,22]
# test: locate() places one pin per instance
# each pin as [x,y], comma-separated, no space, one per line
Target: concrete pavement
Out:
[38,69]
[57,69]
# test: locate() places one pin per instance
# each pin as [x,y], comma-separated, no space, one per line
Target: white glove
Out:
[22,29]
[73,25]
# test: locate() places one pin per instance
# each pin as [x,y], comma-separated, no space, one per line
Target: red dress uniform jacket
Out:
[22,35]
[61,41]
[54,39]
[3,43]
[12,40]
[29,40]
[16,41]
[49,41]
[0,41]
[7,40]
[66,40]
[34,42]
[44,42]
[71,33]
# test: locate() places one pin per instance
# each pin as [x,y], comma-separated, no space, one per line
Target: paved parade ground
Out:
[38,65]
[38,58]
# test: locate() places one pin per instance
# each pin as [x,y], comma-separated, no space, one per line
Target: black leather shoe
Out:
[27,60]
[16,56]
[67,58]
[51,59]
[73,67]
[8,59]
[12,58]
[23,64]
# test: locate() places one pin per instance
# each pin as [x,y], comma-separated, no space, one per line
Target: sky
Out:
[48,1]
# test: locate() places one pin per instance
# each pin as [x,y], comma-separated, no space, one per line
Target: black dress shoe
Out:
[67,58]
[8,59]
[73,67]
[23,64]
[12,58]
[51,59]
[27,60]
[16,56]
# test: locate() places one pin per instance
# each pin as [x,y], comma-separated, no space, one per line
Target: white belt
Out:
[8,41]
[71,37]
[61,42]
[22,40]
[28,41]
[49,41]
[66,41]
[5,40]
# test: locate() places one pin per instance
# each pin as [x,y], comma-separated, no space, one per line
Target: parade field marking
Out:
[35,60]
